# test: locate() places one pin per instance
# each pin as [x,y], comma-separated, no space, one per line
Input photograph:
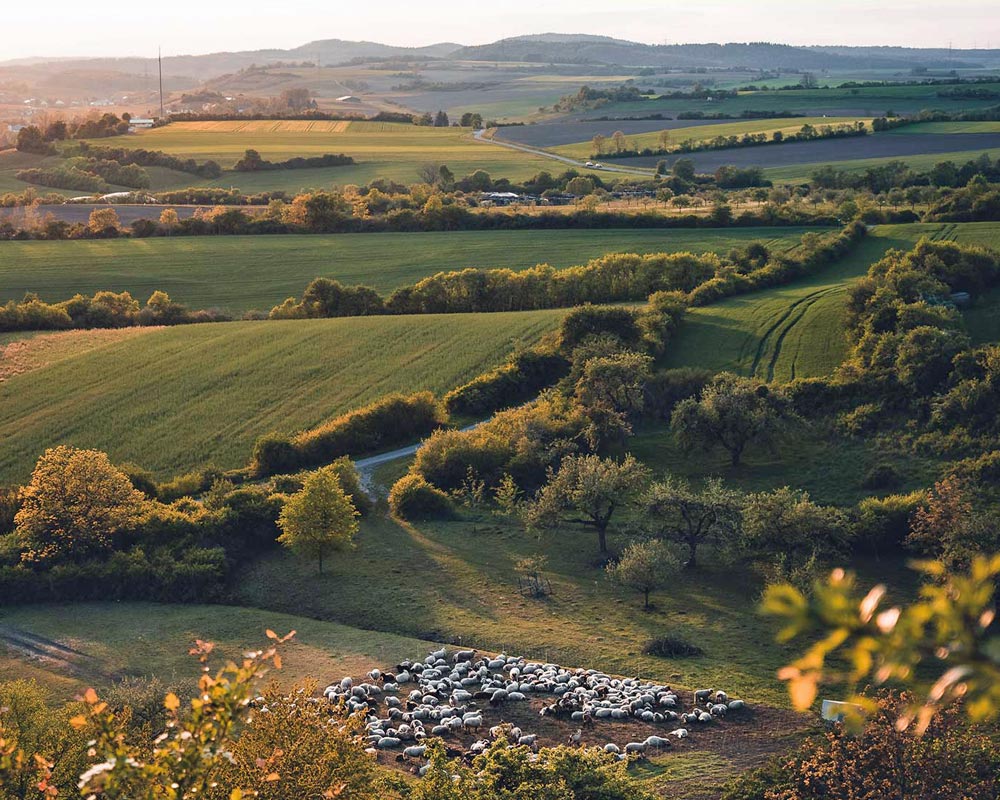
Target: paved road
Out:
[478,135]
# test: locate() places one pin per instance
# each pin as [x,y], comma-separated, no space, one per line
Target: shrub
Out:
[881,524]
[881,476]
[413,498]
[672,647]
[517,381]
[667,388]
[274,454]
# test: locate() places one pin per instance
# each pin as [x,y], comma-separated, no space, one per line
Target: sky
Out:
[136,27]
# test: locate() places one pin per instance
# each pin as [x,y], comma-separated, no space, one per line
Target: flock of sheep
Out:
[448,696]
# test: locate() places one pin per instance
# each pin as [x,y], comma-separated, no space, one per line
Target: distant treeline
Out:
[149,158]
[619,277]
[806,133]
[253,162]
[382,116]
[87,174]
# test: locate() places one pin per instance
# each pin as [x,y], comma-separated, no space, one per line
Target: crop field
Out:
[556,134]
[801,173]
[797,331]
[866,101]
[179,398]
[697,133]
[381,150]
[783,158]
[244,272]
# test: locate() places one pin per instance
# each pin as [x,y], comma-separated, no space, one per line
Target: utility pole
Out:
[159,61]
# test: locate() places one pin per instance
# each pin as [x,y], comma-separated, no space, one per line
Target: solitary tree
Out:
[674,511]
[664,139]
[169,219]
[733,412]
[75,505]
[599,141]
[103,220]
[319,518]
[588,490]
[644,567]
[618,138]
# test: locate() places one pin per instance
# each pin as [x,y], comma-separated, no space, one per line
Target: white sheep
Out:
[680,733]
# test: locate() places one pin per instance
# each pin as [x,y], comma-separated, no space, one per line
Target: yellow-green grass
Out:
[111,641]
[180,398]
[707,132]
[244,272]
[802,173]
[381,150]
[798,330]
[457,582]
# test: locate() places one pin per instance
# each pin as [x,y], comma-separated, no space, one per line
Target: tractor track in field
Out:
[51,653]
[782,326]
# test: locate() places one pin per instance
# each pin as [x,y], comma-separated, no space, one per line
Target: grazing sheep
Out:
[472,721]
[612,748]
[704,716]
[719,710]
[463,655]
[576,737]
[528,739]
[635,747]
[680,733]
[737,705]
[656,742]
[416,751]
[721,696]
[388,742]
[702,695]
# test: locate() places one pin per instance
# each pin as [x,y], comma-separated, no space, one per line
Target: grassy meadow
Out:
[382,150]
[243,272]
[797,331]
[179,398]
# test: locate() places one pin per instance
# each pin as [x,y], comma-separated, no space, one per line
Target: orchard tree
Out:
[319,518]
[787,525]
[587,490]
[732,412]
[600,142]
[76,504]
[674,511]
[618,139]
[644,567]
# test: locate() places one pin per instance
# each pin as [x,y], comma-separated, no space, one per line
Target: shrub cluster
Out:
[393,421]
[252,162]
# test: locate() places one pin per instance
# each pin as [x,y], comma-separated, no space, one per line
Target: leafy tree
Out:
[318,518]
[674,511]
[441,120]
[591,487]
[599,142]
[786,524]
[614,383]
[580,186]
[948,528]
[645,566]
[944,646]
[733,412]
[683,169]
[169,220]
[76,504]
[103,221]
[618,139]
[31,140]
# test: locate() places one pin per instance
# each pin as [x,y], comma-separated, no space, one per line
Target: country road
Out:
[478,136]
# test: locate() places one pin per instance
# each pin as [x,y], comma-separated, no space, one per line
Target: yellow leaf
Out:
[803,691]
[271,634]
[78,722]
[272,777]
[171,702]
[277,661]
[90,696]
[236,794]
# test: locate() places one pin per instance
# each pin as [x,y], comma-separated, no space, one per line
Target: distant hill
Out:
[581,49]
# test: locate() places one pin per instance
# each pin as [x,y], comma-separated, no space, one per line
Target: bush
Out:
[413,498]
[517,381]
[393,421]
[881,524]
[666,389]
[881,476]
[672,647]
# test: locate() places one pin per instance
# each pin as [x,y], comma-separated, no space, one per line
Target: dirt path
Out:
[478,136]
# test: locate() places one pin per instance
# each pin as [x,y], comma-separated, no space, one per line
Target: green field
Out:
[243,272]
[802,173]
[797,331]
[381,150]
[947,127]
[707,132]
[867,101]
[179,398]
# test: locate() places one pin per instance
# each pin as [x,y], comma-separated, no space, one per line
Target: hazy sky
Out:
[136,27]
